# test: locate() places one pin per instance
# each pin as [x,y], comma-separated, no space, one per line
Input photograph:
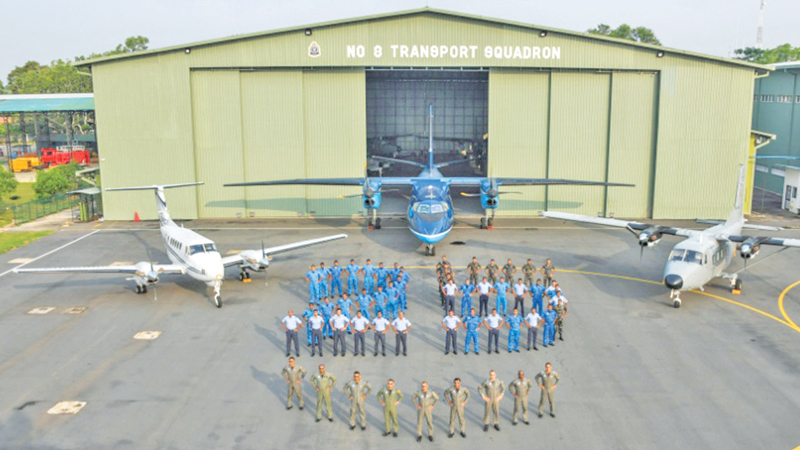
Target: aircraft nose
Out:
[673,281]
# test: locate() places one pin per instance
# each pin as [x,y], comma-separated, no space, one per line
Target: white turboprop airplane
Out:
[190,253]
[705,255]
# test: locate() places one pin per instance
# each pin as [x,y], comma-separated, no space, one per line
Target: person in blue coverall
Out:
[363,303]
[369,277]
[405,277]
[538,294]
[391,302]
[400,285]
[501,288]
[307,314]
[512,322]
[346,305]
[326,309]
[322,285]
[381,273]
[394,271]
[352,277]
[311,278]
[379,300]
[336,279]
[549,317]
[466,296]
[473,323]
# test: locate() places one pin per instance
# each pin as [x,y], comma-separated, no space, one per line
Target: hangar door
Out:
[581,125]
[270,125]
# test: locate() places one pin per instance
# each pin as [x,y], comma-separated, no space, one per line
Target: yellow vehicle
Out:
[25,164]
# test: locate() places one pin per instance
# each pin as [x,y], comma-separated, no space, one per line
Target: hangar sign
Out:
[500,52]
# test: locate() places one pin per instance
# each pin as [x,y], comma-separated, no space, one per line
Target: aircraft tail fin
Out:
[737,215]
[431,165]
[161,201]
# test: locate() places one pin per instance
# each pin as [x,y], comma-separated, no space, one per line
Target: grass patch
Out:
[10,240]
[24,193]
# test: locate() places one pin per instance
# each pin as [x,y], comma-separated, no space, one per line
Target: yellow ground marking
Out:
[783,311]
[788,322]
[70,407]
[75,310]
[147,335]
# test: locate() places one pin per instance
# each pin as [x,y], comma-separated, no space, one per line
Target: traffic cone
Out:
[135,216]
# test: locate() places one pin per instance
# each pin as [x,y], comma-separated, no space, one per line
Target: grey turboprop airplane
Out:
[190,253]
[706,254]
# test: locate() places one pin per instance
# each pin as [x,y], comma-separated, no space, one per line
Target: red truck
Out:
[61,155]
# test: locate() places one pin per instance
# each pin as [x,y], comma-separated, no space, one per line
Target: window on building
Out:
[797,100]
[794,192]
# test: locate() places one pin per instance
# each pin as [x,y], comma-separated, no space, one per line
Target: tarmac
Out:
[720,372]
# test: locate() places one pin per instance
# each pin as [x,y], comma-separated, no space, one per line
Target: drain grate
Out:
[42,310]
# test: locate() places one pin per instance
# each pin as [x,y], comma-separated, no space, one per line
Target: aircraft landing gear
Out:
[217,295]
[374,222]
[736,282]
[430,250]
[676,298]
[487,223]
[244,276]
[140,289]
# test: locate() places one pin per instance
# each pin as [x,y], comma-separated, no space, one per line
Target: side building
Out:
[304,102]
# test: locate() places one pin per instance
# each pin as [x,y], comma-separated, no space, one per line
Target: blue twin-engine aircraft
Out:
[430,209]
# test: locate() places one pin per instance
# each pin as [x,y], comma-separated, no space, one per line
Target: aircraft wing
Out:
[762,240]
[267,252]
[130,269]
[386,181]
[476,181]
[638,226]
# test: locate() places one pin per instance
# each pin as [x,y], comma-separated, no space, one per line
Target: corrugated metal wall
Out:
[144,121]
[632,143]
[518,131]
[703,130]
[272,135]
[335,137]
[217,117]
[579,114]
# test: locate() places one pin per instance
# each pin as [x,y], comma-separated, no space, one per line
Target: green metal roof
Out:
[411,12]
[46,103]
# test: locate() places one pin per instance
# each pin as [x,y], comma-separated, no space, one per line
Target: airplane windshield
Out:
[431,212]
[210,247]
[689,256]
[196,249]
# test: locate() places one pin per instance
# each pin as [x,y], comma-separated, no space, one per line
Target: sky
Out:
[45,30]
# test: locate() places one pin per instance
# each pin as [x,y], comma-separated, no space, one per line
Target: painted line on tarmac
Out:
[49,253]
[362,228]
[783,311]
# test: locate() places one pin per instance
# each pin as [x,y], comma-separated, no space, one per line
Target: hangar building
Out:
[308,102]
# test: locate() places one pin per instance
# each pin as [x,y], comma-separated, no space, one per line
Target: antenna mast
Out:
[760,34]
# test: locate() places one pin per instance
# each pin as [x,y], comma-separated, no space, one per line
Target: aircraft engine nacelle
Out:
[371,196]
[489,195]
[650,237]
[145,272]
[254,260]
[749,248]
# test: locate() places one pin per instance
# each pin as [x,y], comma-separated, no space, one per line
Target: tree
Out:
[639,34]
[8,183]
[49,183]
[30,66]
[781,53]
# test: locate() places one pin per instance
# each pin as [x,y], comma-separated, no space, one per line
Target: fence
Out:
[26,212]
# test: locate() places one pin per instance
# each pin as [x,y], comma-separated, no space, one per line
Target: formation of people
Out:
[549,307]
[491,391]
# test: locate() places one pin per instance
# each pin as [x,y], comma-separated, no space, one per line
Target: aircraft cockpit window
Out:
[210,247]
[677,255]
[694,257]
[196,249]
[436,209]
[423,208]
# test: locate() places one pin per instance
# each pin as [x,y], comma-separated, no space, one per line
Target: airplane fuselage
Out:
[695,261]
[430,208]
[198,255]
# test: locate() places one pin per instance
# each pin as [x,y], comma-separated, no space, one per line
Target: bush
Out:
[8,183]
[50,183]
